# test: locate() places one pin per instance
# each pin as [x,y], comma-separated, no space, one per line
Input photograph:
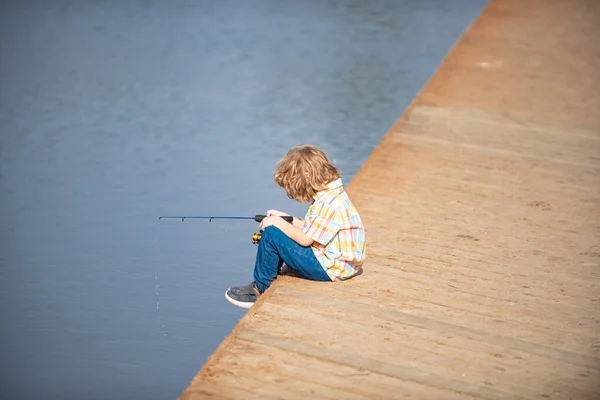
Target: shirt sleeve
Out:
[321,224]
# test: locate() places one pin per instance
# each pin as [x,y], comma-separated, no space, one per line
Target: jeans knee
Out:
[269,233]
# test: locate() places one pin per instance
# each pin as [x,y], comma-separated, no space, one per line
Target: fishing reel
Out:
[256,237]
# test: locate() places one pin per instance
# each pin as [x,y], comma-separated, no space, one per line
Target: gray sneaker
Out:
[246,289]
[243,296]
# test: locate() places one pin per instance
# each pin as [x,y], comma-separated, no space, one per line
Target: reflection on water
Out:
[113,113]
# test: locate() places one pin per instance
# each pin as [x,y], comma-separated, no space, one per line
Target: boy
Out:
[328,245]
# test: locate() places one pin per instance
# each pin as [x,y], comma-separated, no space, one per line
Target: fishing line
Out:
[158,331]
[156,281]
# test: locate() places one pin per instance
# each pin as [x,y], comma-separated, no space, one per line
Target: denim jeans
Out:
[274,249]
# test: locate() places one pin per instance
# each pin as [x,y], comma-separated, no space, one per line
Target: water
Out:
[115,112]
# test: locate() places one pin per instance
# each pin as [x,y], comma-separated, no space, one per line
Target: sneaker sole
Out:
[236,302]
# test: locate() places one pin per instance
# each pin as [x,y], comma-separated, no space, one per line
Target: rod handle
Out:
[288,218]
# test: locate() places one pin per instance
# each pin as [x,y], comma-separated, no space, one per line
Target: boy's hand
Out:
[276,213]
[268,221]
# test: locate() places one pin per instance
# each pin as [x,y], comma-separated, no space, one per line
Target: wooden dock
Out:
[482,208]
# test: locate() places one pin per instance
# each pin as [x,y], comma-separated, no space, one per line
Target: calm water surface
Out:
[115,112]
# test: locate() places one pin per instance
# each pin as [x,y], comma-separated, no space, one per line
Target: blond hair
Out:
[304,171]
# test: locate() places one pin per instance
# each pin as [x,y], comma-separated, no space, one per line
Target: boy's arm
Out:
[297,222]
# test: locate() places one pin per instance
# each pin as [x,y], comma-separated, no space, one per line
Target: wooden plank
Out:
[481,132]
[374,365]
[443,328]
[505,64]
[288,370]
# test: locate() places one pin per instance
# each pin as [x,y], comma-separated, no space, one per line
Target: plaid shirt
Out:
[337,230]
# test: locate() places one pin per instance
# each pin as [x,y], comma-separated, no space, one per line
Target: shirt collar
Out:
[333,185]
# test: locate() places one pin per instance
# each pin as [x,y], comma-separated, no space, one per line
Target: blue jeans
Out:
[274,249]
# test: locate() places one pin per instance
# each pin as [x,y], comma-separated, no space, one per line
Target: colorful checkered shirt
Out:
[337,230]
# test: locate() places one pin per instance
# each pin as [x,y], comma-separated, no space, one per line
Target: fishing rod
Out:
[258,218]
